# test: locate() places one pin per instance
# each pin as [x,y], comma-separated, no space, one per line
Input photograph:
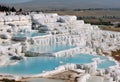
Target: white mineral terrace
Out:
[51,35]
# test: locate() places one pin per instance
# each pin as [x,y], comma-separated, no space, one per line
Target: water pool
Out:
[49,48]
[36,65]
[32,34]
[105,63]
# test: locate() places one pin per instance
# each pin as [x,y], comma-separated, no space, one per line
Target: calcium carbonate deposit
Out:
[43,44]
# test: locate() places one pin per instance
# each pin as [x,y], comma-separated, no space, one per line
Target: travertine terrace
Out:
[20,33]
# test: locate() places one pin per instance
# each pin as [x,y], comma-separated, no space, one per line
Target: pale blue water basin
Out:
[36,65]
[33,34]
[105,64]
[49,48]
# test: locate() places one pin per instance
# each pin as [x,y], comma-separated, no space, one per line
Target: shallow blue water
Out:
[49,48]
[33,34]
[36,65]
[106,64]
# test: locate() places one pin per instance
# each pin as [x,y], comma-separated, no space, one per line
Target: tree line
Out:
[4,8]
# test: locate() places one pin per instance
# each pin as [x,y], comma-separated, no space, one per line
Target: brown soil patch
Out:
[116,55]
[112,29]
[68,76]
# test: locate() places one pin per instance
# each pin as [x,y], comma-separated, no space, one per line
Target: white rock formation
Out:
[83,78]
[65,30]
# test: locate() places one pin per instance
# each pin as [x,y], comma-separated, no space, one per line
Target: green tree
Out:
[13,9]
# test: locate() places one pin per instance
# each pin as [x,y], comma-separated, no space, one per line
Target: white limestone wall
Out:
[66,18]
[2,14]
[76,32]
[1,21]
[67,53]
[4,28]
[7,50]
[83,78]
[15,20]
[41,18]
[66,39]
[12,47]
[105,41]
[25,20]
[89,38]
[42,40]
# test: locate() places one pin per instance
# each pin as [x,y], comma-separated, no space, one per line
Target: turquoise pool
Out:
[36,65]
[105,63]
[33,34]
[49,48]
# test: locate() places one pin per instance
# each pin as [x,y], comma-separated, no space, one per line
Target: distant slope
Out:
[68,3]
[13,1]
